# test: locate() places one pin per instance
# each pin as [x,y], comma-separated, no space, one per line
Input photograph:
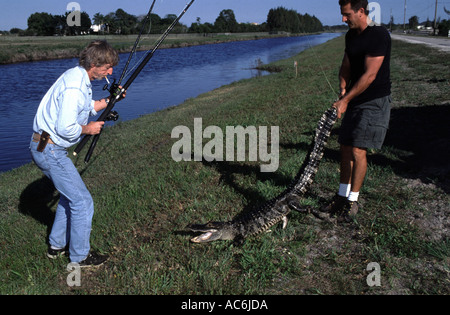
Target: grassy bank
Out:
[15,49]
[144,199]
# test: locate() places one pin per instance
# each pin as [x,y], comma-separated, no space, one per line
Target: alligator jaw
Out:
[205,237]
[212,231]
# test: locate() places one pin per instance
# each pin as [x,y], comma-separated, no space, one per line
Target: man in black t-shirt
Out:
[365,89]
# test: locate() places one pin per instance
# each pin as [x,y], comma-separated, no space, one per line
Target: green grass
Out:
[144,200]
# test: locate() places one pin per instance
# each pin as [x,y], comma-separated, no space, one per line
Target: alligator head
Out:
[212,231]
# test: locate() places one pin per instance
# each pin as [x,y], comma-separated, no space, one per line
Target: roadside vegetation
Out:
[144,199]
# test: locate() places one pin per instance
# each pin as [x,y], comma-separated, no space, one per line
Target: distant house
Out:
[99,28]
[424,30]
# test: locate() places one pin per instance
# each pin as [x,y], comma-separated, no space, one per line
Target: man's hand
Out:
[341,106]
[103,103]
[124,94]
[372,66]
[93,128]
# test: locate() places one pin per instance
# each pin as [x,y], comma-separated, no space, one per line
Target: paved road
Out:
[442,43]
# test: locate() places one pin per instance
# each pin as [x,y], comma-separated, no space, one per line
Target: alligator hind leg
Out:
[293,202]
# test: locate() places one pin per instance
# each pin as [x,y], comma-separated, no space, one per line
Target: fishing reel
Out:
[114,90]
[113,87]
[113,116]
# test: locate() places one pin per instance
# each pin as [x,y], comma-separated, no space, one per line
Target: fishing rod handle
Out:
[91,148]
[102,117]
[81,145]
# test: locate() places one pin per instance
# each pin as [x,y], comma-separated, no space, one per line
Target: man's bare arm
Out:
[344,76]
[373,65]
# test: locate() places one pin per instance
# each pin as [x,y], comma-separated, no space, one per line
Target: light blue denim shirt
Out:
[66,107]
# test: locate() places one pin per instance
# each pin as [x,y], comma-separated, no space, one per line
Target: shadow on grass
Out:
[37,201]
[228,170]
[420,137]
[40,197]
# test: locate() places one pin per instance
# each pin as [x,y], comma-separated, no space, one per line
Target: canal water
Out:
[171,77]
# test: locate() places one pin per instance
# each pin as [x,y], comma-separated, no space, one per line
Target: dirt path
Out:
[441,43]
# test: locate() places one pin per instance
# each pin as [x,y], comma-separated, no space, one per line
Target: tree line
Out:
[120,22]
[443,26]
[282,19]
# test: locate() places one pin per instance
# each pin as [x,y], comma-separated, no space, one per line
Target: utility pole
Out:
[390,22]
[435,19]
[404,19]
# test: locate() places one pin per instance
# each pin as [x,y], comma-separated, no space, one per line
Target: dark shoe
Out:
[335,206]
[55,253]
[349,212]
[93,260]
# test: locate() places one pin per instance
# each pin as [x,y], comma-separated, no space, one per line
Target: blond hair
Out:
[97,54]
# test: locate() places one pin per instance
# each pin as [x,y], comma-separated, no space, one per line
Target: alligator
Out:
[261,218]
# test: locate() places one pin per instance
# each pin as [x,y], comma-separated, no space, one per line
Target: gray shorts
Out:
[365,125]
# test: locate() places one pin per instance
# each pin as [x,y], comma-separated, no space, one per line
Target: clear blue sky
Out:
[14,13]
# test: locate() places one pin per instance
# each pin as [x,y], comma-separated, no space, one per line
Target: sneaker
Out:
[349,212]
[335,206]
[93,260]
[55,253]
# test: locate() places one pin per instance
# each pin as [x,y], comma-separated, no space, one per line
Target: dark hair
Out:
[356,5]
[98,53]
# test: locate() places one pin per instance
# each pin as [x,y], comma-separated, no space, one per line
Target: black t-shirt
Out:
[374,41]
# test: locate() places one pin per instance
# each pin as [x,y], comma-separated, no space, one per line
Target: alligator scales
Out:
[276,210]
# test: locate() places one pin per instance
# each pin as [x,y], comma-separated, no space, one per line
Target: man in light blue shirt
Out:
[60,121]
[66,108]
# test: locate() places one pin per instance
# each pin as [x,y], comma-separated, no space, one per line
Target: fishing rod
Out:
[116,91]
[113,115]
[138,39]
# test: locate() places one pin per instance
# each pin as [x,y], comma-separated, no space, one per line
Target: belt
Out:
[37,138]
[43,140]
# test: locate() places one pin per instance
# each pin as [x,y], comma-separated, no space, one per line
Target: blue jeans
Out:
[73,218]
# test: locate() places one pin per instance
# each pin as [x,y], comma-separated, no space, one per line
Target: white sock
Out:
[344,190]
[353,196]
